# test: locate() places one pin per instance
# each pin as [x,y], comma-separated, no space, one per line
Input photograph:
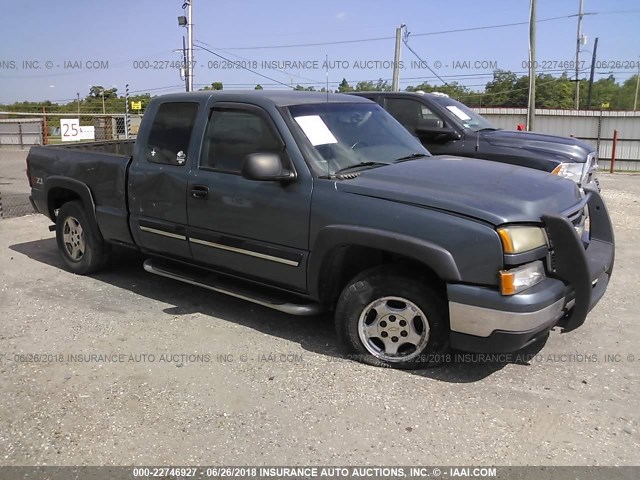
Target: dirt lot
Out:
[240,384]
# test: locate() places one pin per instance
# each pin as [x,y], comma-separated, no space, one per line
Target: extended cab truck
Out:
[302,202]
[448,127]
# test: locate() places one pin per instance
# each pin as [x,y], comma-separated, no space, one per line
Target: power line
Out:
[406,43]
[423,34]
[249,60]
[242,66]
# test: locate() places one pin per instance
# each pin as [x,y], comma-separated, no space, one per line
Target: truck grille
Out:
[591,167]
[578,220]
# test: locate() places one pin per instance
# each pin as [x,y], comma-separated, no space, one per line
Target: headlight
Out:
[572,171]
[518,239]
[518,279]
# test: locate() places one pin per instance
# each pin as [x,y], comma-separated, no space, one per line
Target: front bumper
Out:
[484,321]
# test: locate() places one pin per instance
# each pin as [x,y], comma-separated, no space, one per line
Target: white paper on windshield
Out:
[458,113]
[316,130]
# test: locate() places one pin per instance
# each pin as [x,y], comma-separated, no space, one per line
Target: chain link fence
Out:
[20,131]
[14,186]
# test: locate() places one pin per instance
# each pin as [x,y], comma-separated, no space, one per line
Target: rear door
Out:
[255,229]
[158,180]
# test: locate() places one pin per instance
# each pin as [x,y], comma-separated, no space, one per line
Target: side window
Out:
[231,135]
[411,114]
[170,133]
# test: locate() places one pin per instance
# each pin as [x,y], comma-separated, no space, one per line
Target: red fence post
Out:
[613,150]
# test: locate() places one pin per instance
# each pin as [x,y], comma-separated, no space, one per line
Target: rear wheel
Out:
[389,318]
[81,246]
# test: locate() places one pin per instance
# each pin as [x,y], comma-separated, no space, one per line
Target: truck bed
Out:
[55,170]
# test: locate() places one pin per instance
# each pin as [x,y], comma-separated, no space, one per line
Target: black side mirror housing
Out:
[429,129]
[265,167]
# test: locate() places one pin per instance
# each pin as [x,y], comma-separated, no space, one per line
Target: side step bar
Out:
[206,281]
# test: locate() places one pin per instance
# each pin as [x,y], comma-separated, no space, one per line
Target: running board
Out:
[205,281]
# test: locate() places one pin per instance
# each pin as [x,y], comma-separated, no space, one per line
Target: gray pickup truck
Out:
[305,202]
[448,127]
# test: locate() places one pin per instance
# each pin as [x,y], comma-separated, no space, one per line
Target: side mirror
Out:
[265,167]
[427,129]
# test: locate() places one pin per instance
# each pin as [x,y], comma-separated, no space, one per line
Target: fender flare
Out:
[77,187]
[334,237]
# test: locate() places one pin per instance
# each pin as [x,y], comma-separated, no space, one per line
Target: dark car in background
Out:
[448,127]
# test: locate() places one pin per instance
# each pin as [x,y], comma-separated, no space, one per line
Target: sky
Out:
[55,50]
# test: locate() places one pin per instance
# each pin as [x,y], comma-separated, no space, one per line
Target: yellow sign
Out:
[136,105]
[605,105]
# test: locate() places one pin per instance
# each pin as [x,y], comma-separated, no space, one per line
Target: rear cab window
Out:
[170,134]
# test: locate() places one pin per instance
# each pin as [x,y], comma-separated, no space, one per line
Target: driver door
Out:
[251,228]
[412,113]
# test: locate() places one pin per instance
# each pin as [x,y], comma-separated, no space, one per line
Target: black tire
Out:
[371,287]
[81,246]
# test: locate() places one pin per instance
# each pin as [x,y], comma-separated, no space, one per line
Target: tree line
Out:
[505,89]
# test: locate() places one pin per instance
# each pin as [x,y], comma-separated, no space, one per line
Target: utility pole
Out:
[635,99]
[593,66]
[189,4]
[531,110]
[103,110]
[578,42]
[78,95]
[396,59]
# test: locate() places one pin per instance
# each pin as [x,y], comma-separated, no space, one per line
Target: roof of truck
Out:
[280,98]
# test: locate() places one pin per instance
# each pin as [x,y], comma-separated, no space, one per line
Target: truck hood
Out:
[562,148]
[494,192]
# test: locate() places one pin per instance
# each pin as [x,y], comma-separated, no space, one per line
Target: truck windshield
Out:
[465,115]
[352,135]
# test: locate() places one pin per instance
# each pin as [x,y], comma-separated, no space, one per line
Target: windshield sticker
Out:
[316,130]
[458,113]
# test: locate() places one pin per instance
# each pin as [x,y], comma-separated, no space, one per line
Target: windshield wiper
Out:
[358,165]
[487,129]
[410,157]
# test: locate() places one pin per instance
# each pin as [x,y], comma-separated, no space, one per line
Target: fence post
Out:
[599,133]
[126,111]
[613,150]
[45,138]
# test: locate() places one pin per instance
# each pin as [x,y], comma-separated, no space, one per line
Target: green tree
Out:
[552,92]
[605,90]
[96,91]
[382,86]
[214,86]
[499,91]
[344,86]
[625,95]
[453,89]
[258,87]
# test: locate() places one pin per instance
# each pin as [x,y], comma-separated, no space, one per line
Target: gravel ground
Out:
[246,385]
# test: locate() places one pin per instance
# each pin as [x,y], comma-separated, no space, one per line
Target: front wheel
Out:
[81,246]
[391,319]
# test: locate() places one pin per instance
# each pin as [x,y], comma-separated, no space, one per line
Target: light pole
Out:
[78,95]
[103,110]
[187,21]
